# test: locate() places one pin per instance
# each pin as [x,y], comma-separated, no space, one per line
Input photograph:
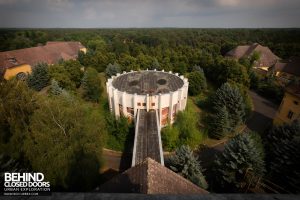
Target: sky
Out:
[149,13]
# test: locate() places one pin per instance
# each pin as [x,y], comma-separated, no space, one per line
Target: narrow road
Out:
[263,113]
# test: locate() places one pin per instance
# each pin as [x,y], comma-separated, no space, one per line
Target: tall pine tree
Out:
[283,155]
[55,89]
[112,69]
[241,153]
[39,78]
[230,97]
[219,125]
[187,165]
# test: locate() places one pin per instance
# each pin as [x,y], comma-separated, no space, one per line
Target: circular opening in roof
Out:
[133,83]
[163,90]
[162,81]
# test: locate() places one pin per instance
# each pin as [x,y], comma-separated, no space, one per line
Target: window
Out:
[13,60]
[139,104]
[290,114]
[296,102]
[130,111]
[144,104]
[152,104]
[21,76]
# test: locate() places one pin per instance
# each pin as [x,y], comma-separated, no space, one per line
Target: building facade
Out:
[289,109]
[149,90]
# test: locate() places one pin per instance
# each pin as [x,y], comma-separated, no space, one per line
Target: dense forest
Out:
[62,121]
[283,42]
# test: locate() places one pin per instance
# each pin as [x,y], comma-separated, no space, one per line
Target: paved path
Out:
[147,140]
[263,114]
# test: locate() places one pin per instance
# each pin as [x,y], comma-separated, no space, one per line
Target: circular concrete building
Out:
[149,90]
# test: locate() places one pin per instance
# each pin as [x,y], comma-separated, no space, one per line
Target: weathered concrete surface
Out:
[263,113]
[147,144]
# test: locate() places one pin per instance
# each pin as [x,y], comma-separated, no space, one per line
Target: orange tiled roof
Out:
[290,66]
[267,57]
[50,53]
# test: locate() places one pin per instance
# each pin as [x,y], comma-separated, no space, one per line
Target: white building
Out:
[158,90]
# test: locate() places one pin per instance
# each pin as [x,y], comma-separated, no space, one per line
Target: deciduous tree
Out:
[197,82]
[91,84]
[63,134]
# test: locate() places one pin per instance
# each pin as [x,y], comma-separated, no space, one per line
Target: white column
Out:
[147,102]
[134,106]
[124,105]
[116,103]
[171,107]
[160,109]
[109,93]
[180,97]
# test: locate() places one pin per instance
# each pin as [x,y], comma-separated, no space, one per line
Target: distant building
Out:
[289,109]
[287,70]
[150,90]
[20,62]
[267,57]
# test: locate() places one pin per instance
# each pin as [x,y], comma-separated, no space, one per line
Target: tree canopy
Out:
[241,153]
[283,156]
[230,97]
[39,78]
[185,163]
[65,142]
[91,84]
[197,82]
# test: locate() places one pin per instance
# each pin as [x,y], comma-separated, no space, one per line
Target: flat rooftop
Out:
[147,82]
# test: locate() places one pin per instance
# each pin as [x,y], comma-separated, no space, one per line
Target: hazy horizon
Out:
[149,14]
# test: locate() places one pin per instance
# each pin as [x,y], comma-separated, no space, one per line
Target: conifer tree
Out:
[187,165]
[283,155]
[219,125]
[55,89]
[241,153]
[230,97]
[39,78]
[155,65]
[112,69]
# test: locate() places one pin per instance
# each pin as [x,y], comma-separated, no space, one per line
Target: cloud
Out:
[149,13]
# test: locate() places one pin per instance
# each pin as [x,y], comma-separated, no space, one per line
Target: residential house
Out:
[19,62]
[289,109]
[287,70]
[266,59]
